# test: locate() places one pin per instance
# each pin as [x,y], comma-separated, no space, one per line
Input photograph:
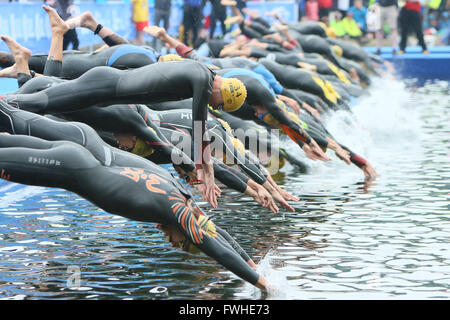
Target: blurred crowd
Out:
[364,20]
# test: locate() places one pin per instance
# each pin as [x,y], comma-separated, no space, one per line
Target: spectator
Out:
[373,20]
[162,12]
[218,13]
[343,6]
[140,19]
[410,21]
[312,10]
[64,9]
[324,9]
[388,15]
[359,14]
[346,26]
[192,16]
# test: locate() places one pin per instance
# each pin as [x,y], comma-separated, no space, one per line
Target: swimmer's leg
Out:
[92,88]
[20,69]
[53,64]
[87,20]
[33,161]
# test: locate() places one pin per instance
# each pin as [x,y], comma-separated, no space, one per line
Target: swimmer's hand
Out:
[290,102]
[277,196]
[286,195]
[157,32]
[314,152]
[369,171]
[210,191]
[265,196]
[342,154]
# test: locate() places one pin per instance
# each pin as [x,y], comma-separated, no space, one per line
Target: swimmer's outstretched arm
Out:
[362,163]
[86,20]
[204,236]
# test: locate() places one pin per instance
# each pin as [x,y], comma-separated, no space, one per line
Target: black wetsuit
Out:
[259,93]
[239,62]
[150,196]
[353,52]
[294,78]
[308,27]
[104,86]
[76,63]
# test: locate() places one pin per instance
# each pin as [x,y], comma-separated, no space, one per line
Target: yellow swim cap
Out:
[206,225]
[141,148]
[225,125]
[170,57]
[233,94]
[331,33]
[322,25]
[337,50]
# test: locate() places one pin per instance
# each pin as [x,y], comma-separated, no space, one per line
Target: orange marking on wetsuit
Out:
[292,134]
[194,230]
[154,179]
[183,217]
[5,176]
[132,174]
[176,207]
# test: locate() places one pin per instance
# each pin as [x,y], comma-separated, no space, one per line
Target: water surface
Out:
[347,239]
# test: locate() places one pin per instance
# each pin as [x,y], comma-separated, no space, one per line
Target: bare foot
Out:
[57,24]
[84,20]
[16,49]
[10,72]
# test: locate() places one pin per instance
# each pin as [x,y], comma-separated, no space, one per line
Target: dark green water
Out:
[346,240]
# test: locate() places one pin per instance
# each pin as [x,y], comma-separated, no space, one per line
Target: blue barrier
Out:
[28,23]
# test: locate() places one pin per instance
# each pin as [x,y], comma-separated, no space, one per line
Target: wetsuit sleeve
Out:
[214,246]
[237,158]
[228,178]
[289,94]
[160,142]
[259,27]
[357,160]
[23,78]
[202,82]
[318,137]
[225,254]
[187,52]
[233,243]
[249,32]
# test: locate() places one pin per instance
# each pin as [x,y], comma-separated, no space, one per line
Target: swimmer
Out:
[150,197]
[167,81]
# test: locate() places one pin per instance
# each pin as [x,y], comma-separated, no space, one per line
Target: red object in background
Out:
[207,22]
[325,4]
